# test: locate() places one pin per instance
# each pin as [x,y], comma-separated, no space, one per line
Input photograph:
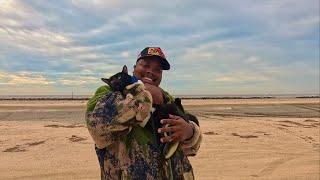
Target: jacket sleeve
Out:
[110,115]
[191,146]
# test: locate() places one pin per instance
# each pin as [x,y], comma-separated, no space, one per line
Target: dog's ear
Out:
[106,80]
[125,69]
[177,101]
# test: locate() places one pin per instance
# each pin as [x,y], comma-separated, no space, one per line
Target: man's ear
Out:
[125,69]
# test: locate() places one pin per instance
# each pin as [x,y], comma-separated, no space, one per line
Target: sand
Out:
[242,139]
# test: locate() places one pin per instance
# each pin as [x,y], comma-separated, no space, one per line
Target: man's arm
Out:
[156,93]
[110,116]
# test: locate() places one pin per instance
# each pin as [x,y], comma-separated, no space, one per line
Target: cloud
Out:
[125,54]
[78,81]
[252,59]
[23,79]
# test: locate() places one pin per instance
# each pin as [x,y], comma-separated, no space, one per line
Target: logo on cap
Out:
[156,51]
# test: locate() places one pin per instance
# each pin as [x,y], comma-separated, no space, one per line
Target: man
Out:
[126,149]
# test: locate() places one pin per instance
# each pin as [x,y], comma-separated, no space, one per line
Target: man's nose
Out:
[149,71]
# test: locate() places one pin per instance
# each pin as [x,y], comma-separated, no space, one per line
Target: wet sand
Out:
[243,139]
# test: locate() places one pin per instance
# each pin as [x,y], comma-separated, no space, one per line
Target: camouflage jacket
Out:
[126,149]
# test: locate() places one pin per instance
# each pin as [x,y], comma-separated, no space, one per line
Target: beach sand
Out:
[242,139]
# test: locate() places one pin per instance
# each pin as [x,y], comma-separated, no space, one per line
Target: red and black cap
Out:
[156,52]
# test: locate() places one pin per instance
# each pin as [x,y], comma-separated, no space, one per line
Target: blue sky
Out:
[214,47]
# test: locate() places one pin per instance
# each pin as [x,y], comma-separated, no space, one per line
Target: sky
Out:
[214,47]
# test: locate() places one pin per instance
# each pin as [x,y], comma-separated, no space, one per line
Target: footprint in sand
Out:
[75,138]
[210,133]
[310,120]
[16,148]
[308,139]
[63,126]
[35,143]
[23,147]
[262,132]
[244,136]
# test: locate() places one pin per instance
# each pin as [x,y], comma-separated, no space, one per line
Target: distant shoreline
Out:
[86,98]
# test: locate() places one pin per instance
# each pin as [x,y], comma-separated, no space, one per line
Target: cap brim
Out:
[164,63]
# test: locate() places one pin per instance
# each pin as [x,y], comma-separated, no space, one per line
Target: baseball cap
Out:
[156,52]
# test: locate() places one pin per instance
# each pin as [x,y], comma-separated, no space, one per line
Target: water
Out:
[221,96]
[53,97]
[247,96]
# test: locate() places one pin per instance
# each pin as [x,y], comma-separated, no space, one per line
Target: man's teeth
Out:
[148,79]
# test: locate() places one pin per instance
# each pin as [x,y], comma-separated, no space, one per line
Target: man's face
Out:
[148,70]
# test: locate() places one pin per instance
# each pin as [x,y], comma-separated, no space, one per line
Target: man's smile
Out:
[148,80]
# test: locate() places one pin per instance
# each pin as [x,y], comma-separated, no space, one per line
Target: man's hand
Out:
[155,92]
[180,129]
